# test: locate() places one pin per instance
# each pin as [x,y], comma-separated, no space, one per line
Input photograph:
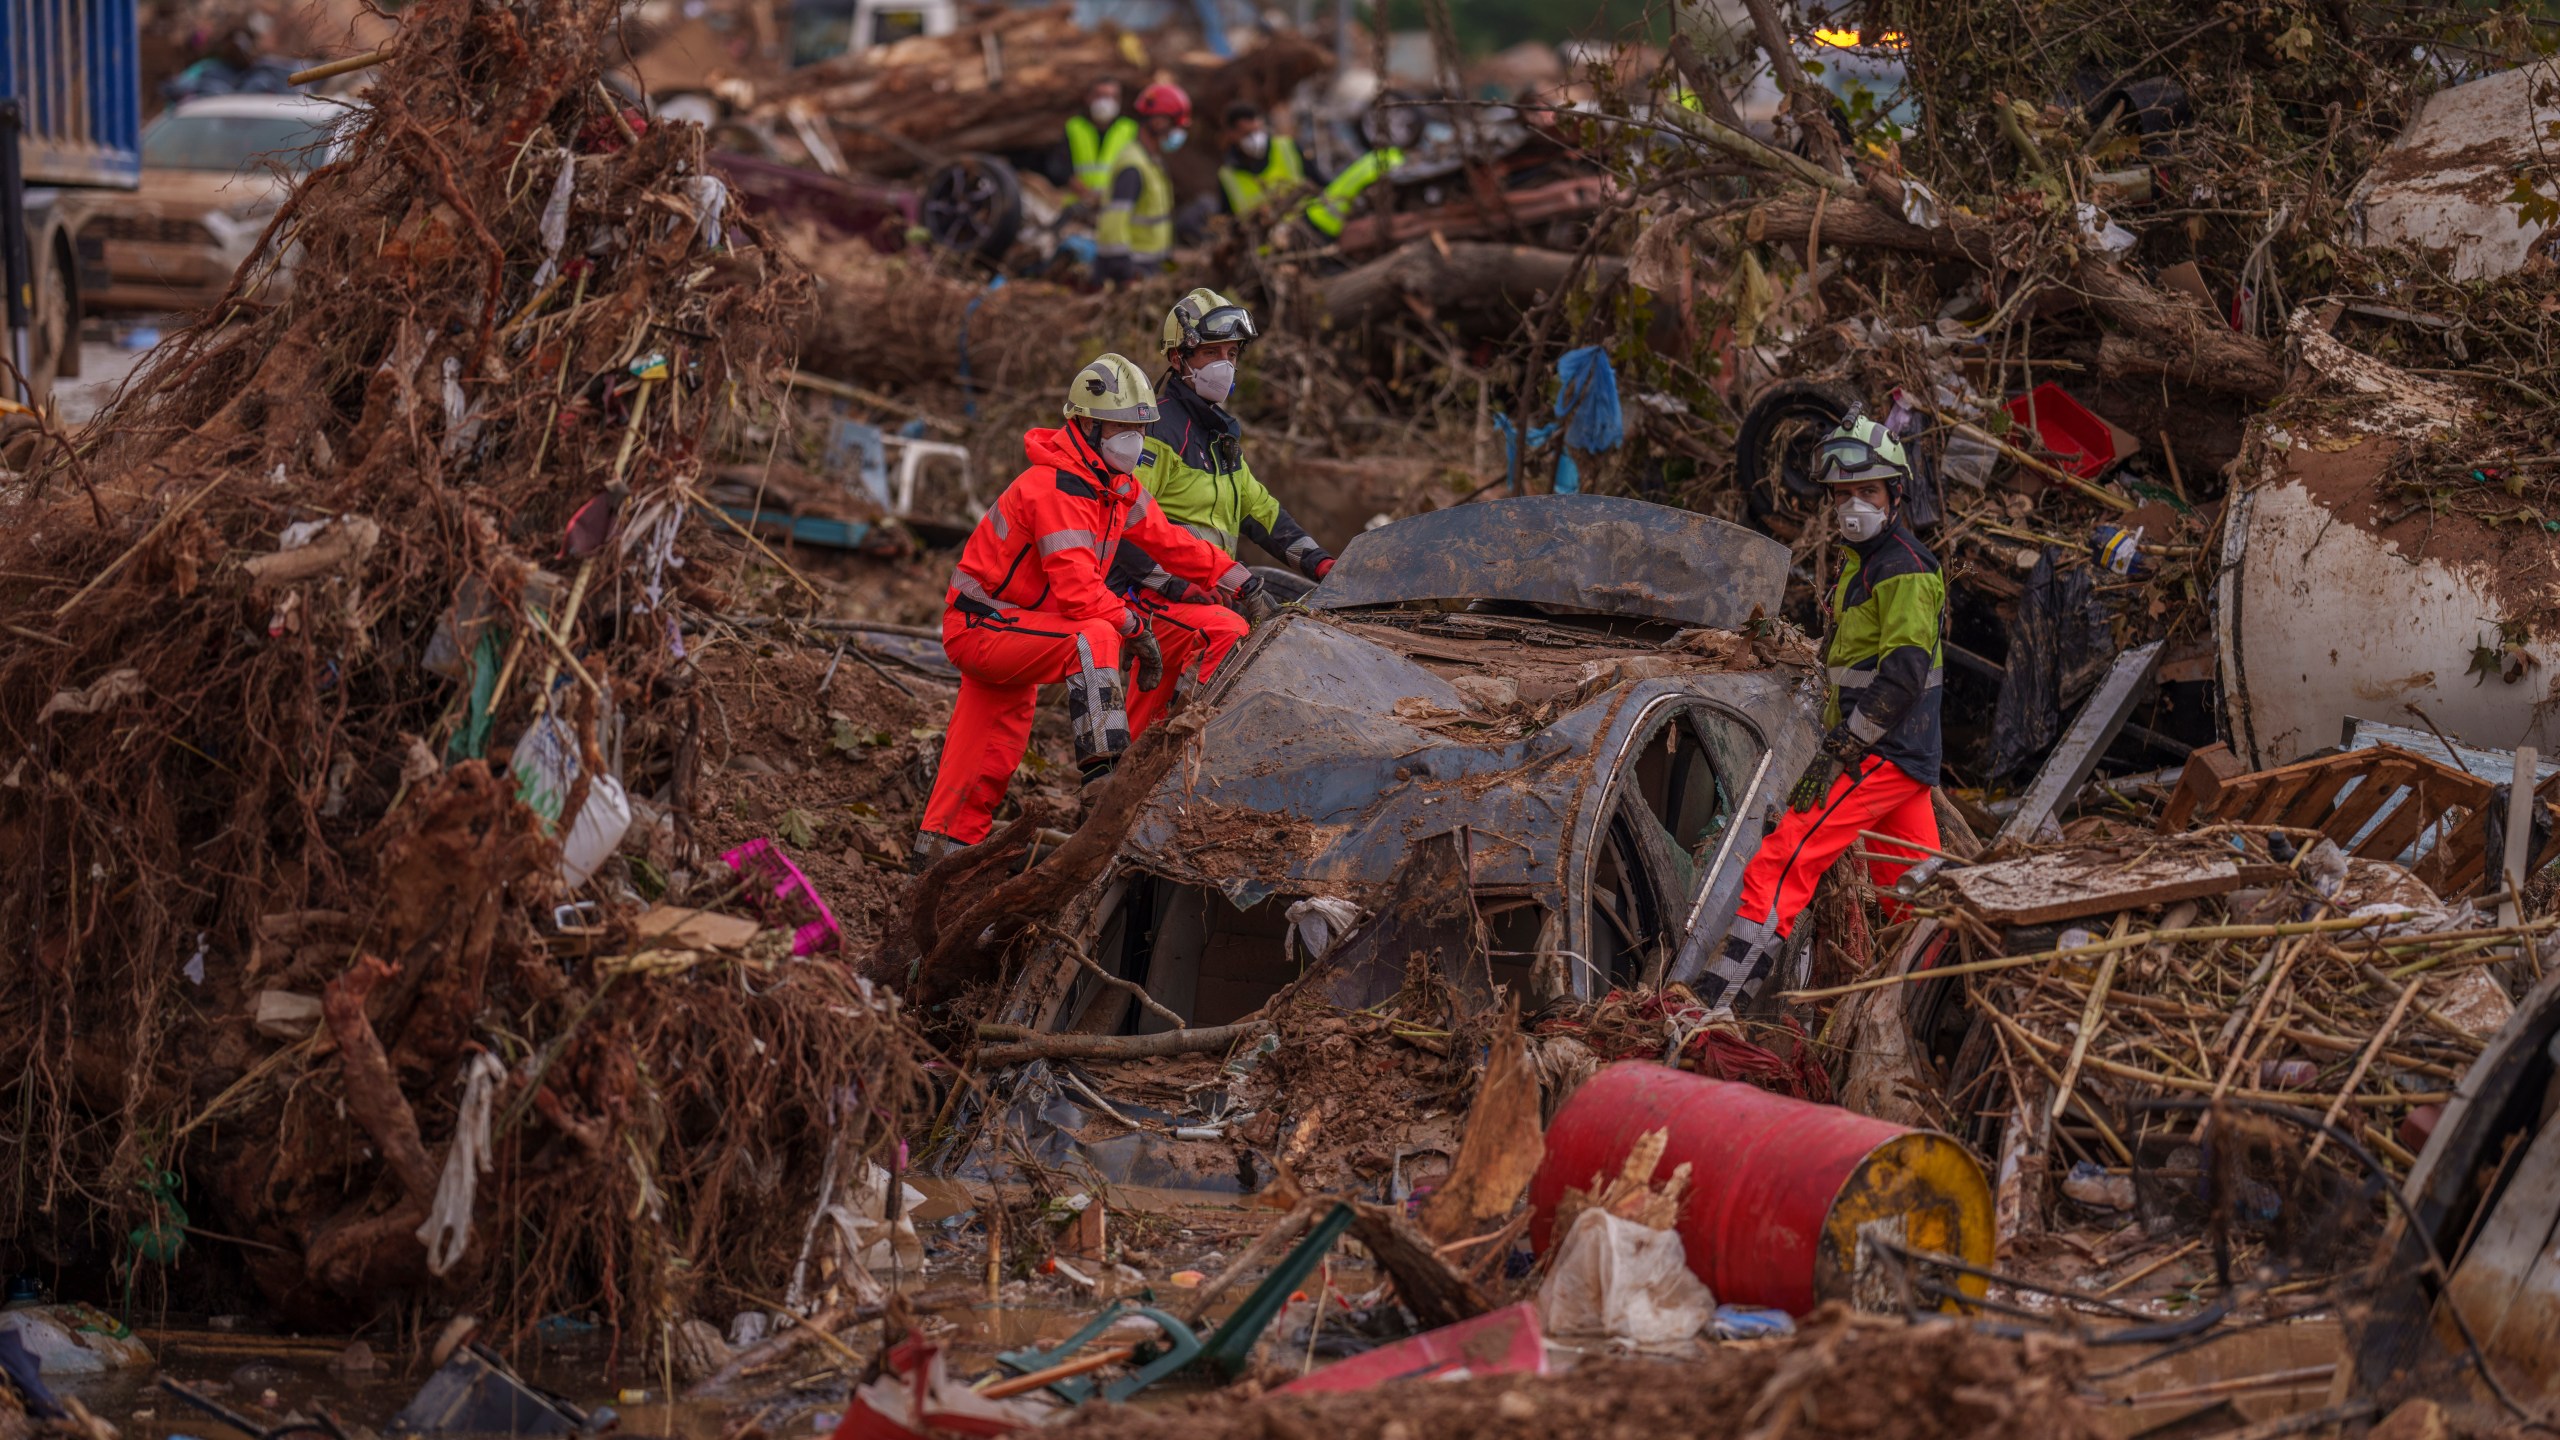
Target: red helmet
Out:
[1167,101]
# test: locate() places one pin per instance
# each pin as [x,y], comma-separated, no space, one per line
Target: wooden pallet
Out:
[2316,795]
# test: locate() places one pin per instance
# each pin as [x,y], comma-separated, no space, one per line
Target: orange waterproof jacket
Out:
[1049,540]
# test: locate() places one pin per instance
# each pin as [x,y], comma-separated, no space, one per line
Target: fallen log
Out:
[1017,1045]
[1477,287]
[2164,333]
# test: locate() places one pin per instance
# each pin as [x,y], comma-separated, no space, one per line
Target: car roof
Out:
[259,105]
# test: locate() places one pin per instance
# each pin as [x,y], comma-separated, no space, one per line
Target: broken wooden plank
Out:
[2380,786]
[2091,732]
[2200,785]
[2041,889]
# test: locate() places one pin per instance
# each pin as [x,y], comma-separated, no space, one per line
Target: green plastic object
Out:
[1155,1361]
[1231,1348]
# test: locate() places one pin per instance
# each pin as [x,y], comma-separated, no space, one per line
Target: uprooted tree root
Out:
[232,771]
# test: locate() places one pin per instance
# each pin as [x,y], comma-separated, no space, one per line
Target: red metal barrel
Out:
[1778,1188]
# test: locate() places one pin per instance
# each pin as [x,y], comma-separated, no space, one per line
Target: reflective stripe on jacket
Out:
[1050,539]
[1886,659]
[1282,171]
[1137,218]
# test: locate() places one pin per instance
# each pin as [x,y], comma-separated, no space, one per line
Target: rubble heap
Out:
[1845,1374]
[344,646]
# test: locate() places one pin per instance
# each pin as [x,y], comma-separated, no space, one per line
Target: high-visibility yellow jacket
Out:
[1091,150]
[1194,466]
[1283,170]
[1137,210]
[1331,208]
[1887,660]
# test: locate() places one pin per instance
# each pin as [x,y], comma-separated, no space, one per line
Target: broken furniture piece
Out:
[1062,1369]
[2377,803]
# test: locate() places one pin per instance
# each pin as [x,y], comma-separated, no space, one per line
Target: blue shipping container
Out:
[75,70]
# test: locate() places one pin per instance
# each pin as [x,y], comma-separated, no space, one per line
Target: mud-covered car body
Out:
[1537,736]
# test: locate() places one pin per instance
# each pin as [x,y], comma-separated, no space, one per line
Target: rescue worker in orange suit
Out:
[1028,604]
[1878,765]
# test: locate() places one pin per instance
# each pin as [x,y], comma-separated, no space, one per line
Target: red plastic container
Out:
[1778,1188]
[2072,437]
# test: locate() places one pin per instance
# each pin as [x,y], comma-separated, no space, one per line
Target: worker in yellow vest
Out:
[1095,137]
[1135,233]
[1331,209]
[1260,167]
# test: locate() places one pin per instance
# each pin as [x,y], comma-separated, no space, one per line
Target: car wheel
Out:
[53,333]
[972,206]
[1283,585]
[1773,452]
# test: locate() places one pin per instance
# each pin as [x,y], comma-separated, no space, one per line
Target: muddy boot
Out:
[1098,715]
[929,847]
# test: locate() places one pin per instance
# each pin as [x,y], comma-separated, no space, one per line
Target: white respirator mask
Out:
[1215,381]
[1123,451]
[1105,110]
[1255,145]
[1861,521]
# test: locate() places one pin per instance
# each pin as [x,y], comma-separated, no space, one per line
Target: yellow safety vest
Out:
[1144,232]
[1282,170]
[1091,151]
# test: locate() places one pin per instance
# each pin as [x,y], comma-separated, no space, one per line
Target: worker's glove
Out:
[1843,745]
[1144,657]
[1255,603]
[1324,567]
[1815,783]
[1840,753]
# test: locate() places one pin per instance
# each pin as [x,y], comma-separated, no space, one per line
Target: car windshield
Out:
[232,143]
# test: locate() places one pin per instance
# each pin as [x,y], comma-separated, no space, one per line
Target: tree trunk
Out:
[2162,333]
[1480,288]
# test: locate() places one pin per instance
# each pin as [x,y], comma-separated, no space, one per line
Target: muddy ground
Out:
[1845,1375]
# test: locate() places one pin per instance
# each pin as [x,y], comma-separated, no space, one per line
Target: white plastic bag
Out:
[1617,1278]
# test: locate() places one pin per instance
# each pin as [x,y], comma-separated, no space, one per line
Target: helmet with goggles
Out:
[1205,317]
[1862,450]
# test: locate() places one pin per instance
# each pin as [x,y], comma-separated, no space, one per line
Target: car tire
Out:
[1773,452]
[972,206]
[1282,585]
[53,332]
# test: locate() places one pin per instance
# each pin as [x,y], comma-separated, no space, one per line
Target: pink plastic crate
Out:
[788,898]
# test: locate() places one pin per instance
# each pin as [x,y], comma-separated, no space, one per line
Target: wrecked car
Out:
[1537,735]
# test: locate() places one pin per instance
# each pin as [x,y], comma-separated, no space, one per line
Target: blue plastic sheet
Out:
[1588,403]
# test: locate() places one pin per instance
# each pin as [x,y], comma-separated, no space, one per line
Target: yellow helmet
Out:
[1111,388]
[1205,317]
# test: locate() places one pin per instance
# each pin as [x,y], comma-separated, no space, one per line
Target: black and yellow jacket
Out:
[1886,660]
[1195,468]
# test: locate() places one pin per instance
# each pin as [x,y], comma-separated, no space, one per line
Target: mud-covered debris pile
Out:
[342,656]
[1844,1374]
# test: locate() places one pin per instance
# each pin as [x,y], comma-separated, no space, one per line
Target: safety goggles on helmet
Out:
[1859,451]
[1227,322]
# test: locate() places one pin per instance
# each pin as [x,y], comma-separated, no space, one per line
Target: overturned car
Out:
[1533,739]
